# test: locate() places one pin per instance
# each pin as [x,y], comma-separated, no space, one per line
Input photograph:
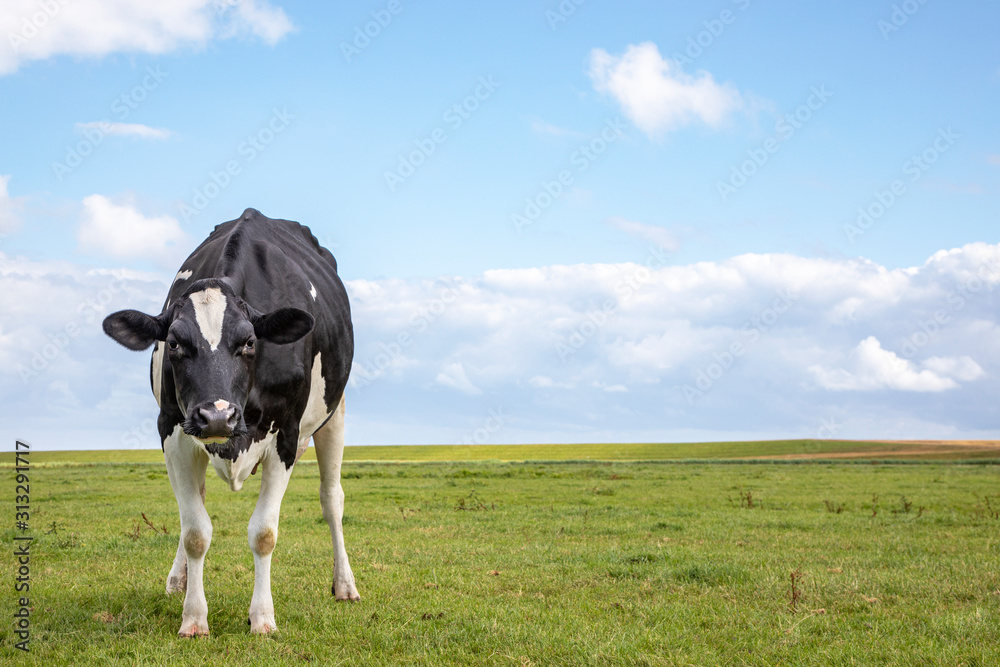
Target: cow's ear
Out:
[285,325]
[135,330]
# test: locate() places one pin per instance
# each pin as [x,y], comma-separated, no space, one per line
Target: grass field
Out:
[529,563]
[697,451]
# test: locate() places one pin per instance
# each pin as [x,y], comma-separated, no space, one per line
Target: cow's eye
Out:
[249,345]
[172,344]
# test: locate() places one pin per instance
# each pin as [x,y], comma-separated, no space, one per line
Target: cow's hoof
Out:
[193,629]
[265,625]
[347,593]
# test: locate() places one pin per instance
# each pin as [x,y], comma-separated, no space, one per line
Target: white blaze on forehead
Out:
[182,275]
[209,311]
[312,291]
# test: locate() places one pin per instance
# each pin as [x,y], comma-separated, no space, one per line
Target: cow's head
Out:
[210,336]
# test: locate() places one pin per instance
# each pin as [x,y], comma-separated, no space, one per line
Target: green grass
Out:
[535,564]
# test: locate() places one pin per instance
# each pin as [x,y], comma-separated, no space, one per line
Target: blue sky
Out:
[512,165]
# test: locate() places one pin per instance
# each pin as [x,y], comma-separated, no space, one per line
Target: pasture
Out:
[533,563]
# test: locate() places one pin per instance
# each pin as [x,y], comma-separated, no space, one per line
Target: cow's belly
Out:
[234,473]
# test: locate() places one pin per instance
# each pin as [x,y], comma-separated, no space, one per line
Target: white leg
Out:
[186,464]
[329,444]
[262,533]
[177,579]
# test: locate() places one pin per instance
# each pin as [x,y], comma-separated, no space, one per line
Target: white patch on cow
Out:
[209,311]
[182,275]
[316,411]
[234,473]
[221,404]
[157,370]
[312,291]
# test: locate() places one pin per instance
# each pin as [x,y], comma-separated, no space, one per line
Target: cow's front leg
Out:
[262,533]
[177,578]
[186,464]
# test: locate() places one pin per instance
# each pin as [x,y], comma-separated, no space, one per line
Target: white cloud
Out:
[126,130]
[56,365]
[96,28]
[262,20]
[453,375]
[10,208]
[541,127]
[543,382]
[656,94]
[123,232]
[795,324]
[874,368]
[961,368]
[915,354]
[658,236]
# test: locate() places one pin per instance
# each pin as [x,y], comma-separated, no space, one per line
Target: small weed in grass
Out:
[832,507]
[905,506]
[747,501]
[984,508]
[796,592]
[472,503]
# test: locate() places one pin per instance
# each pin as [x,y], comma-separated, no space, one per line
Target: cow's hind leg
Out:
[329,443]
[262,533]
[186,465]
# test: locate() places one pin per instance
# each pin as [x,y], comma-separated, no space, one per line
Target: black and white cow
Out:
[252,354]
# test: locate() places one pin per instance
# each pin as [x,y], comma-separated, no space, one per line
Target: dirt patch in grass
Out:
[909,449]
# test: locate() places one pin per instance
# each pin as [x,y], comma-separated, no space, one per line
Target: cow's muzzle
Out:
[214,422]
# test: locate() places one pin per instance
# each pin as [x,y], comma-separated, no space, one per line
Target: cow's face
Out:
[210,337]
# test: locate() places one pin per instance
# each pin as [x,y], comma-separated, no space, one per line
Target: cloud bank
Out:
[756,346]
